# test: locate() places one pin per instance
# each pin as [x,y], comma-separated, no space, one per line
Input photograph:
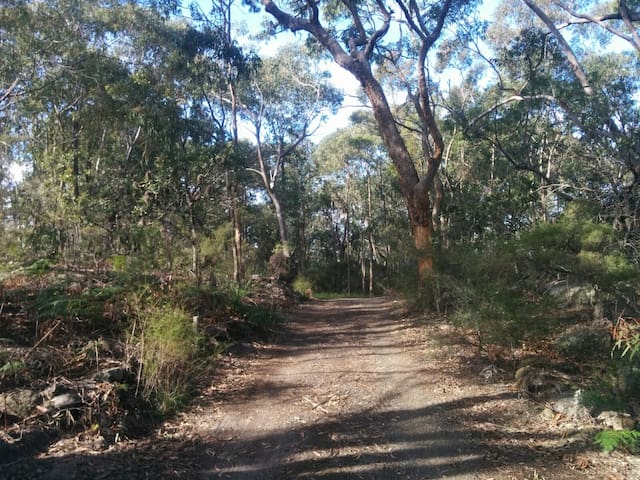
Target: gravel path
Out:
[347,395]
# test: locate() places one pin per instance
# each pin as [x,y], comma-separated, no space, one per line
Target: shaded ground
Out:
[351,389]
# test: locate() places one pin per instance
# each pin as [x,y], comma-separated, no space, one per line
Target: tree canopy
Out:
[154,139]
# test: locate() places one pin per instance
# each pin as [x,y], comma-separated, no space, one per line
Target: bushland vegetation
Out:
[161,185]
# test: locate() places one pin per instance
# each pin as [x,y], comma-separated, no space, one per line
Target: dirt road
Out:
[348,394]
[351,389]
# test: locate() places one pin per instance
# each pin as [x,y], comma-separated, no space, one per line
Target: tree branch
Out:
[564,45]
[601,21]
[6,94]
[381,32]
[287,21]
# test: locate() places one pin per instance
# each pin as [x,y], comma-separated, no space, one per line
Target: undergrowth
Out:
[626,440]
[600,400]
[168,353]
[167,334]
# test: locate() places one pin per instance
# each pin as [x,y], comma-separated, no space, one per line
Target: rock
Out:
[488,372]
[569,295]
[547,414]
[616,420]
[53,390]
[66,400]
[18,403]
[569,405]
[114,374]
[535,380]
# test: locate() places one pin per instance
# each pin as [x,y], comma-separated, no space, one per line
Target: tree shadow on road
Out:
[367,445]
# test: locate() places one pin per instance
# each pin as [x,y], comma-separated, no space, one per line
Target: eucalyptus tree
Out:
[555,62]
[57,98]
[356,34]
[284,103]
[609,86]
[232,69]
[358,209]
[107,120]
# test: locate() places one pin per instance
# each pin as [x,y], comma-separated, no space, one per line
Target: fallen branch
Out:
[44,337]
[318,406]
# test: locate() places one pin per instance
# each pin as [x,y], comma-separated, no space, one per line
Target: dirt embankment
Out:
[350,389]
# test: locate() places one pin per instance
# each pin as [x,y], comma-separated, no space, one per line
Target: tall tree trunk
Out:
[363,268]
[269,185]
[357,61]
[370,276]
[238,261]
[282,225]
[238,258]
[415,190]
[195,254]
[76,159]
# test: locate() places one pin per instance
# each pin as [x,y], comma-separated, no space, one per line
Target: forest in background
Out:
[507,200]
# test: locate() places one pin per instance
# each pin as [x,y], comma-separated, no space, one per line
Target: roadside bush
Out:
[488,290]
[302,285]
[503,288]
[168,354]
[586,342]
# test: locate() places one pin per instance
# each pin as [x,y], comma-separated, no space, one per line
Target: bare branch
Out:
[628,19]
[602,22]
[564,45]
[6,94]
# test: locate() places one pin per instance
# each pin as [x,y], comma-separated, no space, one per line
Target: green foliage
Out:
[260,320]
[501,288]
[581,247]
[223,302]
[585,343]
[626,335]
[601,400]
[202,299]
[119,263]
[302,285]
[40,266]
[169,347]
[629,346]
[87,304]
[11,368]
[484,290]
[627,440]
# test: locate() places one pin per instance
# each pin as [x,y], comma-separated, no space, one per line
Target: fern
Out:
[610,440]
[10,368]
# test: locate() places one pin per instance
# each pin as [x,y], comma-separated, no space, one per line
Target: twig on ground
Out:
[44,337]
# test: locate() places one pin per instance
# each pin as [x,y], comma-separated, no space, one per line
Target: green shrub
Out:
[169,347]
[598,401]
[585,343]
[11,368]
[88,304]
[628,440]
[119,263]
[502,288]
[40,267]
[302,285]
